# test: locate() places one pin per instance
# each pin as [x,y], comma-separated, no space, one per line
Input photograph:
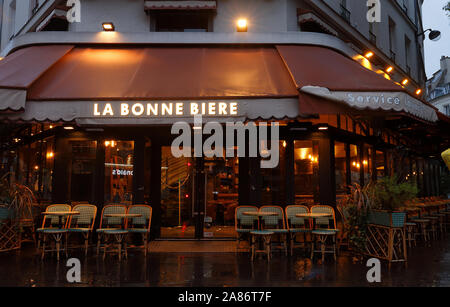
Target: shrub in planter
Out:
[389,194]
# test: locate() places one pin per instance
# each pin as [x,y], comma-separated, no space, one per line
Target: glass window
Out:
[47,168]
[380,164]
[367,163]
[82,169]
[273,180]
[340,162]
[181,21]
[119,172]
[355,164]
[306,171]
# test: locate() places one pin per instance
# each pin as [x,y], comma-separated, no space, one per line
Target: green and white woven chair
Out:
[83,223]
[323,231]
[50,226]
[244,224]
[141,225]
[276,224]
[296,225]
[109,223]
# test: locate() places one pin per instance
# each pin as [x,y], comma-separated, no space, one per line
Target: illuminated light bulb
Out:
[405,81]
[242,25]
[368,55]
[389,69]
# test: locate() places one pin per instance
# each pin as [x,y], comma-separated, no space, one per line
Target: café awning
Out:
[325,73]
[63,82]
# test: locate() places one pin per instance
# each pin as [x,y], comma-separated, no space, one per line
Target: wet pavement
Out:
[428,266]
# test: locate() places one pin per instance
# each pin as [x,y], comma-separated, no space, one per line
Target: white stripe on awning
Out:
[176,5]
[11,99]
[387,101]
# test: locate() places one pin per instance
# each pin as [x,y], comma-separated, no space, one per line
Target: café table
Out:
[60,215]
[119,233]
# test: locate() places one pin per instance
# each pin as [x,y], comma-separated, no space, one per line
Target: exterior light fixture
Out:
[284,144]
[242,25]
[368,54]
[389,69]
[108,27]
[418,91]
[323,128]
[434,35]
[69,128]
[405,81]
[50,155]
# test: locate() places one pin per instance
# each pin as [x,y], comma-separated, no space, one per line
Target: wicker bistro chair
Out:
[276,224]
[83,223]
[297,225]
[423,224]
[244,224]
[324,231]
[50,226]
[109,223]
[141,225]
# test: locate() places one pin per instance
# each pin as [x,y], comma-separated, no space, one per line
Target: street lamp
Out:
[434,35]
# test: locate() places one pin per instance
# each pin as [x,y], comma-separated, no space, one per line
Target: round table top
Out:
[123,215]
[313,215]
[61,213]
[259,213]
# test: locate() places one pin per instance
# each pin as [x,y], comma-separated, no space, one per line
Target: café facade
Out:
[88,118]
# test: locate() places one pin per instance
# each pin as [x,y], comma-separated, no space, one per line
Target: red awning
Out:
[165,73]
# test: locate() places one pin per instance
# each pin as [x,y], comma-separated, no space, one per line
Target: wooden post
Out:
[327,185]
[138,171]
[290,176]
[155,188]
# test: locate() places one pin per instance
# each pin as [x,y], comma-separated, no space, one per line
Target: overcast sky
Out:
[434,17]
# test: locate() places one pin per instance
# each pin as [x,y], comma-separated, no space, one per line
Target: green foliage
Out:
[446,8]
[390,194]
[16,197]
[355,210]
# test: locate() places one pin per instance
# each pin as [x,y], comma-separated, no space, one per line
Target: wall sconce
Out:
[108,27]
[242,25]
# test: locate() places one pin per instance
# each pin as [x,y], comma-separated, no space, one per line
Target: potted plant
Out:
[389,195]
[355,209]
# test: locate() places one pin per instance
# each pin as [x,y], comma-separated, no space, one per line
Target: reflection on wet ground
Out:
[428,266]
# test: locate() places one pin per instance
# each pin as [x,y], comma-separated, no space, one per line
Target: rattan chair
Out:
[276,224]
[140,225]
[244,224]
[82,223]
[296,225]
[50,226]
[109,223]
[323,232]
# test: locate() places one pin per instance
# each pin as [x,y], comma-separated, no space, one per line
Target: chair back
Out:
[324,222]
[144,221]
[293,221]
[274,221]
[85,219]
[54,220]
[244,221]
[105,221]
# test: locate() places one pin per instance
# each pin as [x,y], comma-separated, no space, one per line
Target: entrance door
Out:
[177,209]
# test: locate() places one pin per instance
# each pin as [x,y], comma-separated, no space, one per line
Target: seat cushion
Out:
[277,230]
[115,231]
[243,230]
[420,220]
[78,229]
[410,224]
[103,229]
[53,230]
[261,232]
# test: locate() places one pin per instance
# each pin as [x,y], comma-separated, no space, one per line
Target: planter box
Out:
[388,219]
[5,213]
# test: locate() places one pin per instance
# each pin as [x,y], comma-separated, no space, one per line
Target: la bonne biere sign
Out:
[161,109]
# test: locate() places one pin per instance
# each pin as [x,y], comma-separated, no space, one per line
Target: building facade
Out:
[438,87]
[87,114]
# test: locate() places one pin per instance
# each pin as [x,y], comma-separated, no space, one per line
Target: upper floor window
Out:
[345,13]
[407,54]
[181,21]
[447,109]
[392,38]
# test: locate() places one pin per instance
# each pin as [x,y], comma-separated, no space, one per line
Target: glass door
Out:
[177,211]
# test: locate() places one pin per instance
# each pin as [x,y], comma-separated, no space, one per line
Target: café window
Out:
[119,172]
[380,165]
[48,153]
[273,179]
[355,165]
[367,163]
[306,167]
[181,21]
[82,169]
[340,160]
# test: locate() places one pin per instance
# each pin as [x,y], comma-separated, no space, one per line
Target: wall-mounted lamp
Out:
[389,69]
[405,81]
[434,35]
[418,91]
[242,25]
[69,128]
[368,54]
[108,27]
